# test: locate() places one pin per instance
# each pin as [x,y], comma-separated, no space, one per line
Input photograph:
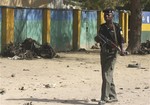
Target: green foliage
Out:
[146,5]
[102,4]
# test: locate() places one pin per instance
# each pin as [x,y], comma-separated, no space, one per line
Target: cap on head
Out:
[109,10]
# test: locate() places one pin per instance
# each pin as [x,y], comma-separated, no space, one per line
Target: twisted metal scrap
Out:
[29,49]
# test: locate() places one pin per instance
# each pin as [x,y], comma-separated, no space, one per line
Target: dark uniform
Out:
[108,58]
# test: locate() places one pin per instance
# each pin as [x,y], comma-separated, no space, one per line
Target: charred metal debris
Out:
[144,48]
[28,49]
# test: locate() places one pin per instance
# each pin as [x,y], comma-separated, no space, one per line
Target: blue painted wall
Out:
[61,29]
[28,24]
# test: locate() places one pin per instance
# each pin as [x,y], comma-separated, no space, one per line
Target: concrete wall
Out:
[62,28]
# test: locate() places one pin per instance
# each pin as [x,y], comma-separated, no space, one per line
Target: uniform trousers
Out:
[108,60]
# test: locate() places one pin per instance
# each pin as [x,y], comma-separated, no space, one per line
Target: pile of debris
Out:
[145,48]
[29,49]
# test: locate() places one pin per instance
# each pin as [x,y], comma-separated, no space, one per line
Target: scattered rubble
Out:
[29,49]
[29,103]
[50,85]
[144,49]
[137,88]
[12,75]
[136,65]
[146,87]
[22,88]
[2,91]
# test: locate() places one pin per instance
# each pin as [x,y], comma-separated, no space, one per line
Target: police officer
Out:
[109,31]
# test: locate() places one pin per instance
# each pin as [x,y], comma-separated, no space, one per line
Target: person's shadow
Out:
[63,101]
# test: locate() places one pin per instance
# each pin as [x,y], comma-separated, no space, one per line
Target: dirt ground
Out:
[72,79]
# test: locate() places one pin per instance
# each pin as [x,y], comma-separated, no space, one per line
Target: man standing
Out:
[109,37]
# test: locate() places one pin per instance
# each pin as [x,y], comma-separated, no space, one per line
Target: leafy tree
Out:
[147,6]
[100,4]
[135,26]
[136,8]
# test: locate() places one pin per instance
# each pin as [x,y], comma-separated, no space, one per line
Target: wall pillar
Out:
[46,26]
[122,22]
[100,19]
[7,26]
[126,27]
[76,28]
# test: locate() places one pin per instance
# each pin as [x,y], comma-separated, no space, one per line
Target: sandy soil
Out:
[72,79]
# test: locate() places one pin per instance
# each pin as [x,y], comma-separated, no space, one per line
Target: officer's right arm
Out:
[98,37]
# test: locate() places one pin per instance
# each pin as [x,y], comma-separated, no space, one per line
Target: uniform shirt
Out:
[109,34]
